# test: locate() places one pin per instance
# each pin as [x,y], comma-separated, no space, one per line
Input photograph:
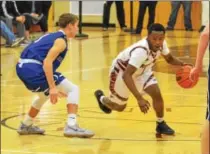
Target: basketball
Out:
[182,77]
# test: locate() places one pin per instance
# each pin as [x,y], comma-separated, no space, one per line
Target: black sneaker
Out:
[163,128]
[201,29]
[98,94]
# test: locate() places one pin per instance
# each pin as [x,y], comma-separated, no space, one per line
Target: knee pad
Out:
[38,102]
[73,96]
[71,90]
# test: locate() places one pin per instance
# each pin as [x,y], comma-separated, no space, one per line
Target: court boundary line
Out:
[28,152]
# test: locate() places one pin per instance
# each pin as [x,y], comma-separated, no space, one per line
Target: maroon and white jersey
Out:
[140,56]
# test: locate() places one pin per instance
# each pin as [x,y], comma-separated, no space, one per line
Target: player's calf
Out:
[121,108]
[112,105]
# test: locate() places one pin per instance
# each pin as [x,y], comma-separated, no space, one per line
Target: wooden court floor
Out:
[130,132]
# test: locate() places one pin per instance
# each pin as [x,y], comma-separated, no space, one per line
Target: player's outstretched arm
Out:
[202,46]
[173,60]
[58,47]
[127,77]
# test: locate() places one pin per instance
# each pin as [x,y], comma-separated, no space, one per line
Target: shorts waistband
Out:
[26,61]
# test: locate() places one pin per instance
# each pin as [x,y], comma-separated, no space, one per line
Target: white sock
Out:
[160,120]
[101,99]
[28,120]
[72,119]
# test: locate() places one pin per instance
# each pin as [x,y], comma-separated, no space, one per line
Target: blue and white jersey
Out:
[39,49]
[30,66]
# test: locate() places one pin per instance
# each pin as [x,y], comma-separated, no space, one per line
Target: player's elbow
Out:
[125,76]
[170,59]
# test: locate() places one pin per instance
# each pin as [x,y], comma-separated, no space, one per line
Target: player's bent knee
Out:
[67,86]
[38,103]
[120,108]
[71,90]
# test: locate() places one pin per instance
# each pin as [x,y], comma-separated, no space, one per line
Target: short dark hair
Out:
[67,18]
[156,27]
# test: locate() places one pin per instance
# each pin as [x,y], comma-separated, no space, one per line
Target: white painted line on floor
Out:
[25,152]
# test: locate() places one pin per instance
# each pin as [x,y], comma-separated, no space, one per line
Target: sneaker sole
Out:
[21,133]
[170,134]
[78,135]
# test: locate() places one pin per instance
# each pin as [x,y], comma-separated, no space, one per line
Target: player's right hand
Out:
[53,95]
[62,94]
[21,19]
[194,73]
[143,105]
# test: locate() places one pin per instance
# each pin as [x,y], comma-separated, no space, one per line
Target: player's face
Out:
[73,29]
[156,41]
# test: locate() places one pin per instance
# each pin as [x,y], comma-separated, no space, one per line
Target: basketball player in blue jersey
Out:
[37,70]
[202,47]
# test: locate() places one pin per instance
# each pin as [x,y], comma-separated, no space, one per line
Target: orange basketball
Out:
[182,77]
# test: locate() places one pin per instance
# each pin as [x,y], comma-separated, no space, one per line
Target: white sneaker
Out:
[26,130]
[76,131]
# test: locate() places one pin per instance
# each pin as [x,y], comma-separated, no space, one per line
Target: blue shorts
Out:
[33,77]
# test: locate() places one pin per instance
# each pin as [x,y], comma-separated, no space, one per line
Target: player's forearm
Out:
[203,43]
[174,61]
[131,85]
[48,69]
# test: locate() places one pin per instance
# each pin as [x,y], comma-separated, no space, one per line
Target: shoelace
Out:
[77,128]
[34,127]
